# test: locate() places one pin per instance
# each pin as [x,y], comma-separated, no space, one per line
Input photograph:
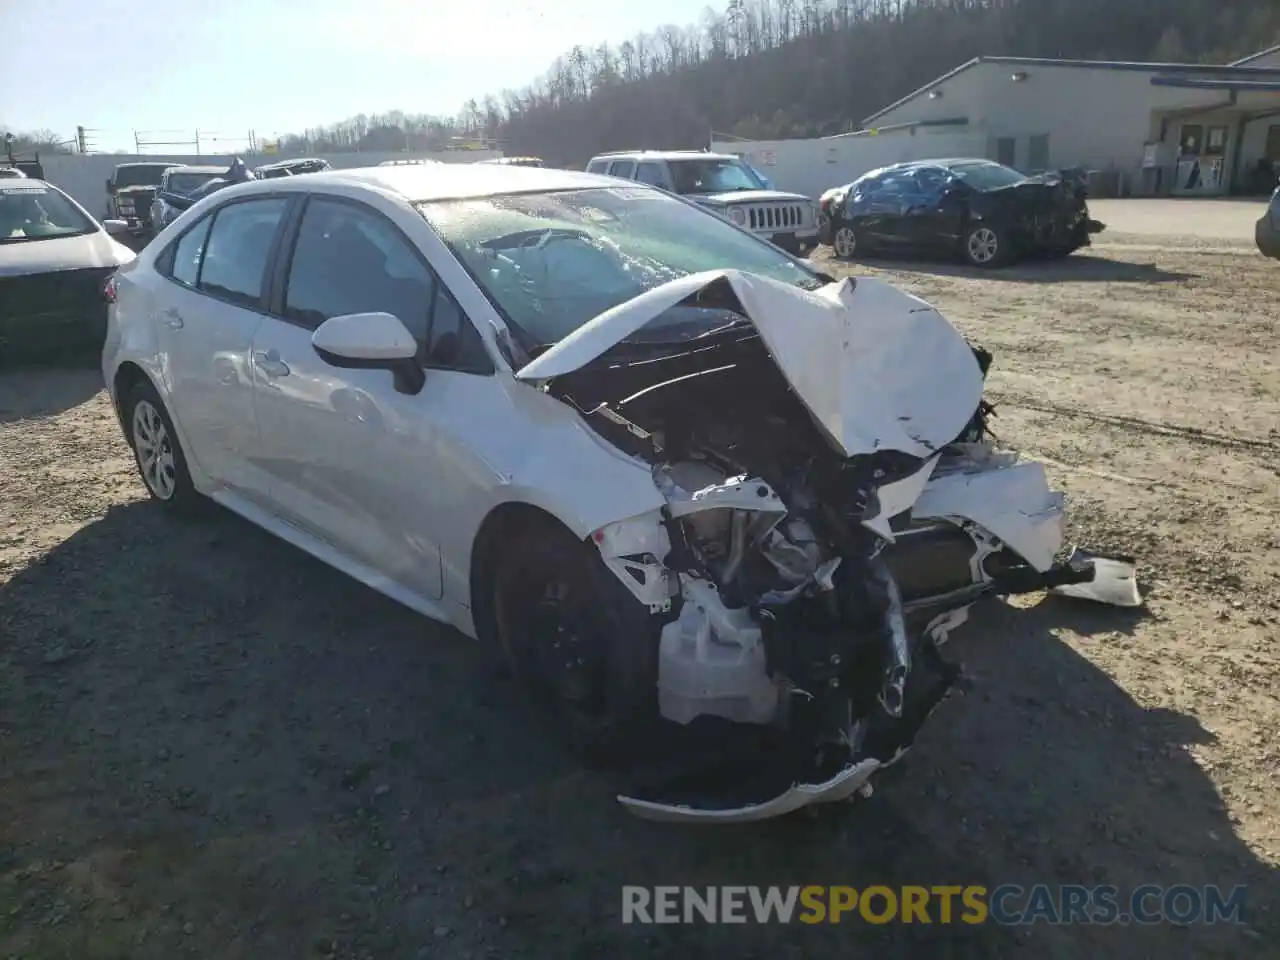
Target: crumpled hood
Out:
[62,253]
[878,369]
[749,196]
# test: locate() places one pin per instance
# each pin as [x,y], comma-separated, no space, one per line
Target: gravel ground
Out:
[213,746]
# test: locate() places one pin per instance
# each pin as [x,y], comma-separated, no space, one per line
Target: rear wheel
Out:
[986,245]
[582,644]
[157,452]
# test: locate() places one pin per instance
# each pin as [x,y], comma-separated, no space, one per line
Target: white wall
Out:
[84,176]
[1254,144]
[813,166]
[1095,117]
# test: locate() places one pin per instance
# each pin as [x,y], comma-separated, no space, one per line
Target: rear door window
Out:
[187,253]
[238,251]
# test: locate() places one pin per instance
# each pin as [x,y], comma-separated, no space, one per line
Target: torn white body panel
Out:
[877,368]
[1014,503]
[1114,582]
[840,787]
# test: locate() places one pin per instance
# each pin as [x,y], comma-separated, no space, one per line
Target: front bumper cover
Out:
[714,771]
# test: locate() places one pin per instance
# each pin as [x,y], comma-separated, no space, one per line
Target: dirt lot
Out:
[212,746]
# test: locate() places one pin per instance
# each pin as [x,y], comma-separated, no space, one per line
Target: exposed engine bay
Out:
[806,591]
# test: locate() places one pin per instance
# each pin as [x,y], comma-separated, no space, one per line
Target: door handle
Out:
[172,319]
[269,362]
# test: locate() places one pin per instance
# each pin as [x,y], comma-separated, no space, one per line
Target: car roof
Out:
[296,161]
[945,163]
[194,168]
[664,155]
[439,181]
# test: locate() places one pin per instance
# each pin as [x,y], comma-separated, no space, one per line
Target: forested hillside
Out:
[794,68]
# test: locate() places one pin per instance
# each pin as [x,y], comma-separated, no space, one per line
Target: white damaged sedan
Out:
[719,510]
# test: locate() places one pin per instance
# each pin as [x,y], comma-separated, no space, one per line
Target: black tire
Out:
[583,646]
[165,475]
[986,245]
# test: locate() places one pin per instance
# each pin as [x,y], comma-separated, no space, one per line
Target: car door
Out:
[886,209]
[926,210]
[353,461]
[206,319]
[870,207]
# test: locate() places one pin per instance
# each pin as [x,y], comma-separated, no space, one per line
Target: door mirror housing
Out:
[111,188]
[371,341]
[116,228]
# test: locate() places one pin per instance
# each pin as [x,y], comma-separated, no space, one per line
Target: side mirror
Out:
[111,187]
[371,341]
[116,228]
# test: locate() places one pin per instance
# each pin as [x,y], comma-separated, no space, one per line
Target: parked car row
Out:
[988,214]
[136,191]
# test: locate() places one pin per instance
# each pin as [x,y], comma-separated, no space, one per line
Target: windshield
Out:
[184,183]
[552,261]
[710,175]
[38,212]
[147,175]
[987,176]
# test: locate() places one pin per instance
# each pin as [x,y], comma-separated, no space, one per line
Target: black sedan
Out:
[986,213]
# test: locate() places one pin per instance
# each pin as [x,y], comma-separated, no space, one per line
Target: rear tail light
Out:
[109,289]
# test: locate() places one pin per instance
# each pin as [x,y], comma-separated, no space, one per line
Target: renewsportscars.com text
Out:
[1008,904]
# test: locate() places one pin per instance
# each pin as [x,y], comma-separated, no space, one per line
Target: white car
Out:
[54,261]
[701,495]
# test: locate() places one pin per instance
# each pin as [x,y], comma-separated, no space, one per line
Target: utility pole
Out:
[80,139]
[197,143]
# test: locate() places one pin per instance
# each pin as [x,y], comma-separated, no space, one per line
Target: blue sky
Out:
[282,65]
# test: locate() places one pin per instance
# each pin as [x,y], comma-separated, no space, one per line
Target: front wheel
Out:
[582,644]
[986,245]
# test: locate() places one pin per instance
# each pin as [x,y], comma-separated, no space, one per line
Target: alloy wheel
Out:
[983,245]
[846,242]
[154,449]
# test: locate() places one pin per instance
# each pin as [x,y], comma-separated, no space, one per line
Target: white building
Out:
[1149,127]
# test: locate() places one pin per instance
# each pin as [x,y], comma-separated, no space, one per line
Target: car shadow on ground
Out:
[1077,268]
[48,388]
[211,739]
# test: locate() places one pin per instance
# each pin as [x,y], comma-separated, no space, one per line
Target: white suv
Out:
[725,184]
